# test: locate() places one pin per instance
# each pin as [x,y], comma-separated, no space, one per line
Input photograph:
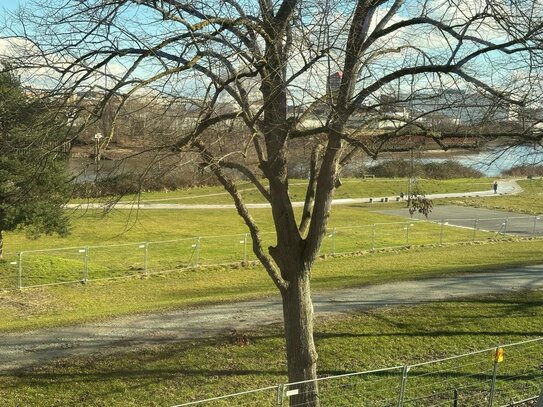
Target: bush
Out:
[524,171]
[431,170]
[132,183]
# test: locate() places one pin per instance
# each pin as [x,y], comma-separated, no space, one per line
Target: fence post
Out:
[407,234]
[505,226]
[86,264]
[496,360]
[455,400]
[197,251]
[403,384]
[536,218]
[145,247]
[441,232]
[145,256]
[245,248]
[334,241]
[20,271]
[474,229]
[280,395]
[373,237]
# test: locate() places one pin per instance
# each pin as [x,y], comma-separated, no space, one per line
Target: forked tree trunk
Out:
[301,352]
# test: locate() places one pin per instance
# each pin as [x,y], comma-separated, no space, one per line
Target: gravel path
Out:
[34,347]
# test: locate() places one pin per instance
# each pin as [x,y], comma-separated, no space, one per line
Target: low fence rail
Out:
[32,268]
[505,375]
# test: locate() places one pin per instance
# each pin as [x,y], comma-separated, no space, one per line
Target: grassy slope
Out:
[60,305]
[351,188]
[119,226]
[168,375]
[78,303]
[171,374]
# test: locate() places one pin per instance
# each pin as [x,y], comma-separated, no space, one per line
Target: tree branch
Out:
[310,192]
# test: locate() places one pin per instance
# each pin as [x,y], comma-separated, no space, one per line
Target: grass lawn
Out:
[115,241]
[170,374]
[351,188]
[530,201]
[70,304]
[94,227]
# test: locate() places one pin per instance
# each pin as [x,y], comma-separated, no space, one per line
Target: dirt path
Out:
[23,350]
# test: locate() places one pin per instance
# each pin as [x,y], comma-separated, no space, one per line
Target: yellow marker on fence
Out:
[499,355]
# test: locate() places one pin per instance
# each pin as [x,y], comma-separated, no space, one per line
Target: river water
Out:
[491,163]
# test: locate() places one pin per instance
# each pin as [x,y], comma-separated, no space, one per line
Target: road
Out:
[124,333]
[489,220]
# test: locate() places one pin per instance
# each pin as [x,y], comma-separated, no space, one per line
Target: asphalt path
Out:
[506,187]
[18,351]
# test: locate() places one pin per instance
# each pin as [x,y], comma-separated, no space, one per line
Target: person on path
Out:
[495,187]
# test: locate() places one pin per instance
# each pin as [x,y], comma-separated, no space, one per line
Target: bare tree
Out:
[334,76]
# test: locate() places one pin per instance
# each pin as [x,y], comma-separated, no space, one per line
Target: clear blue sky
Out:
[10,4]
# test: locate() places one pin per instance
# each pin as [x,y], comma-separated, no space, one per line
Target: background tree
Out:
[328,77]
[34,184]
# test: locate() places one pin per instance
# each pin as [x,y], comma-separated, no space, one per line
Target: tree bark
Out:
[301,352]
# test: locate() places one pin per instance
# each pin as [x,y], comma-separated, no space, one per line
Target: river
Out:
[491,163]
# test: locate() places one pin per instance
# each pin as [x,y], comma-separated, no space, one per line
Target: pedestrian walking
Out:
[495,187]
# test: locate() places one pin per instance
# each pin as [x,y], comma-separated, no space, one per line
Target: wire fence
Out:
[32,268]
[505,375]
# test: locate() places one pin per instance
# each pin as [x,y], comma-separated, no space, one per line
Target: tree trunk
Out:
[301,352]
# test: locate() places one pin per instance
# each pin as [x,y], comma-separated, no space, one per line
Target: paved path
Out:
[23,350]
[489,220]
[506,187]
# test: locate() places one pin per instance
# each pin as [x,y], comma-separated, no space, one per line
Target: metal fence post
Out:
[145,247]
[20,271]
[536,218]
[373,237]
[407,233]
[403,384]
[146,257]
[474,230]
[505,226]
[86,264]
[455,400]
[441,232]
[245,248]
[494,374]
[334,241]
[197,251]
[280,395]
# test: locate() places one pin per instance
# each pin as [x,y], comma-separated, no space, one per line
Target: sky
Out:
[10,4]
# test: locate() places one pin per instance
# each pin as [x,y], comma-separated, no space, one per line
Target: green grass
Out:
[379,338]
[115,242]
[72,304]
[351,188]
[530,201]
[91,227]
[170,374]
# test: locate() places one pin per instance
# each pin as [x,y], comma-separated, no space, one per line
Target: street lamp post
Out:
[97,138]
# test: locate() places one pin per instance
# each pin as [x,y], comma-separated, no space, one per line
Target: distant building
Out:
[333,84]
